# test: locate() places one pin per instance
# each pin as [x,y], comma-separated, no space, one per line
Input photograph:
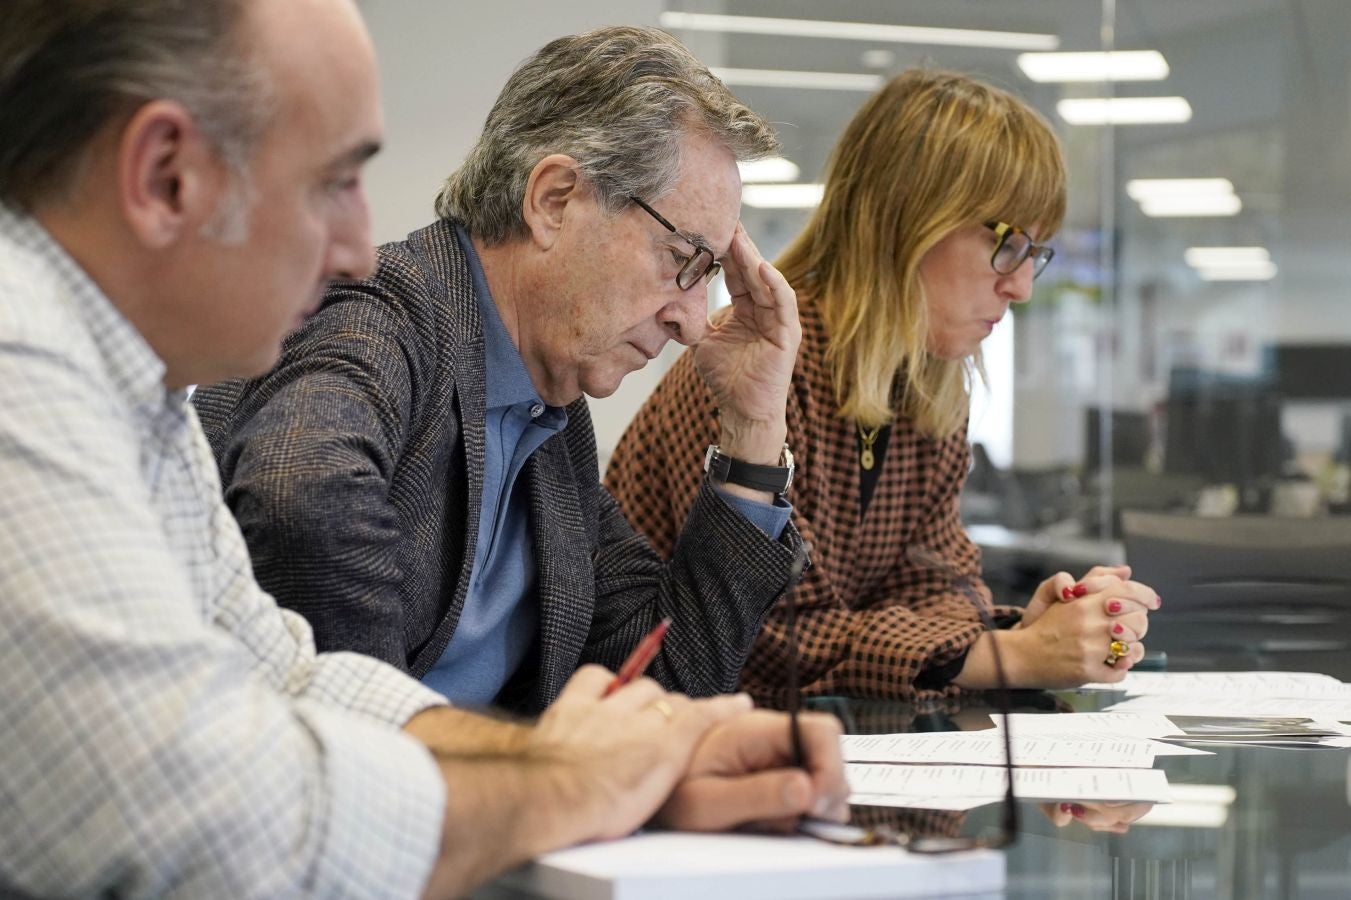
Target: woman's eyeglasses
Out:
[836,833]
[1015,248]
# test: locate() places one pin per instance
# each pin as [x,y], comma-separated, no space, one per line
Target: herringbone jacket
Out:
[870,619]
[355,470]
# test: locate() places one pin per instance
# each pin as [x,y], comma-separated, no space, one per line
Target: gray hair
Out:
[620,101]
[69,67]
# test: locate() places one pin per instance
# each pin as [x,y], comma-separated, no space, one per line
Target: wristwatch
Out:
[775,479]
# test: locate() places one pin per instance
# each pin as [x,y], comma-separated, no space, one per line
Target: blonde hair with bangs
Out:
[931,152]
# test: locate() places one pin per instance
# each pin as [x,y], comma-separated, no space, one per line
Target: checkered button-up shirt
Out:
[165,729]
[870,619]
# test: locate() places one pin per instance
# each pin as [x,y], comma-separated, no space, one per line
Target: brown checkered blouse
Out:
[869,620]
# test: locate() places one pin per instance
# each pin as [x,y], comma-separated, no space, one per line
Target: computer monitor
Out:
[1131,432]
[1223,429]
[1312,371]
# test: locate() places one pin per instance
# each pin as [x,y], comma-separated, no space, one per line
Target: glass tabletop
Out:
[1283,830]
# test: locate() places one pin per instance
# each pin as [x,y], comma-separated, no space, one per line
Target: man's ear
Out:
[169,178]
[552,185]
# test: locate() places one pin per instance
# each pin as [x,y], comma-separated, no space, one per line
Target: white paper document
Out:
[670,865]
[1129,785]
[986,748]
[1141,725]
[1240,707]
[944,804]
[1231,684]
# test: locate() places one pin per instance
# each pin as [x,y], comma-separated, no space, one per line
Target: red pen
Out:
[640,658]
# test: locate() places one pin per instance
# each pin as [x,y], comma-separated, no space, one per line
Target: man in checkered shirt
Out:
[178,183]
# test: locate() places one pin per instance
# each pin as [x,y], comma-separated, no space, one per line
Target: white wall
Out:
[442,65]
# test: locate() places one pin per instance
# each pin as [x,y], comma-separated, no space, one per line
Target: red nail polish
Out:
[1066,807]
[1077,811]
[1117,629]
[1066,593]
[1114,606]
[1079,590]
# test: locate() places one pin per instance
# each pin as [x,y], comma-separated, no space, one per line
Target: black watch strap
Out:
[774,479]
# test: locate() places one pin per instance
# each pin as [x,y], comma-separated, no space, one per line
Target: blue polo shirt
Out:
[500,620]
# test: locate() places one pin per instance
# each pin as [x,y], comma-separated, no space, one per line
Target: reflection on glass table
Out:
[1245,822]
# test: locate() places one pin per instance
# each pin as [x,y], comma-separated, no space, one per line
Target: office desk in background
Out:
[1014,562]
[1048,547]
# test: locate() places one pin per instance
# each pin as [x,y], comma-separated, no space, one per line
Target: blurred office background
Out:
[1189,349]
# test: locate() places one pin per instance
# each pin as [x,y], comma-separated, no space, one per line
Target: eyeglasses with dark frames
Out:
[850,835]
[702,265]
[1015,248]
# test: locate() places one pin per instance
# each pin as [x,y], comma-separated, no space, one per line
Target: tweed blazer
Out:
[355,469]
[869,619]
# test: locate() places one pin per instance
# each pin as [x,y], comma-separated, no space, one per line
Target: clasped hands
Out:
[1116,818]
[1070,625]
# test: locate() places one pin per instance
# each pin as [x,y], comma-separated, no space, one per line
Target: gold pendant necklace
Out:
[866,439]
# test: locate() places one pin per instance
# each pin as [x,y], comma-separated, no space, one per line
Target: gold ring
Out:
[1115,651]
[664,708]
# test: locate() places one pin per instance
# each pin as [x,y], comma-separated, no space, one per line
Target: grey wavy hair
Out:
[67,69]
[619,100]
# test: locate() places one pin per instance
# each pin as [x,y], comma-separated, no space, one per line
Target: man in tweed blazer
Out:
[374,471]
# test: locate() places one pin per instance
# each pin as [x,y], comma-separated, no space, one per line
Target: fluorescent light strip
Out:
[1177,207]
[1183,815]
[1124,110]
[783,78]
[773,169]
[859,31]
[1140,189]
[1193,806]
[782,196]
[1220,257]
[1258,271]
[1119,65]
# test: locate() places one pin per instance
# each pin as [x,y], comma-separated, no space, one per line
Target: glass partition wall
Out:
[1189,348]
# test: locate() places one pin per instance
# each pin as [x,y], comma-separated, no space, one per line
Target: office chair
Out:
[1248,592]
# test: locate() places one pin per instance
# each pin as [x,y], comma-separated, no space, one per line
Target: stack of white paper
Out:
[670,865]
[965,787]
[986,748]
[1310,685]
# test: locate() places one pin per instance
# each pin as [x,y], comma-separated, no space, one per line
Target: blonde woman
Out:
[940,197]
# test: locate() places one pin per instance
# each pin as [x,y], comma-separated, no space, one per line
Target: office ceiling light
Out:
[772,169]
[784,78]
[1140,189]
[1231,263]
[1255,271]
[878,59]
[1192,806]
[859,31]
[1119,65]
[1181,197]
[1124,110]
[1220,257]
[782,196]
[1179,207]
